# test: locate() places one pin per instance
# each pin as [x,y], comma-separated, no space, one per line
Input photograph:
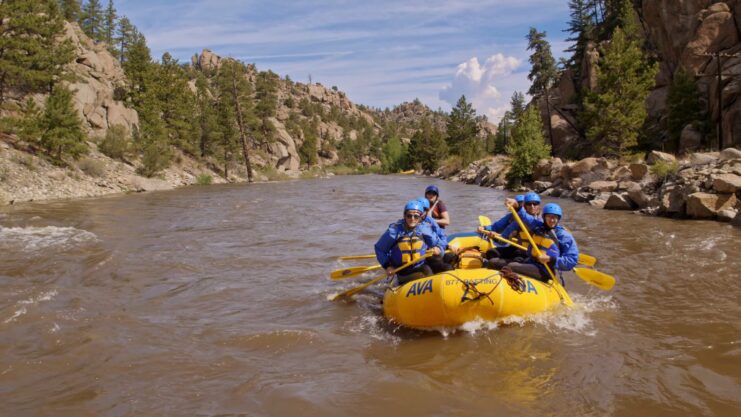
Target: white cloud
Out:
[380,53]
[479,84]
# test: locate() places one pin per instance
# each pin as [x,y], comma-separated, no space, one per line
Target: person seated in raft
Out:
[507,252]
[439,210]
[406,240]
[531,204]
[557,246]
[436,263]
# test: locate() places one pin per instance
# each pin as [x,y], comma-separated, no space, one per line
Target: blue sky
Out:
[381,53]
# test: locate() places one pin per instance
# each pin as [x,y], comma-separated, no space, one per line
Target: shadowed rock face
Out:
[681,32]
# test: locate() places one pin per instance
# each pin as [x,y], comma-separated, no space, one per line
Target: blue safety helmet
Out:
[532,197]
[425,203]
[520,198]
[414,205]
[432,189]
[553,208]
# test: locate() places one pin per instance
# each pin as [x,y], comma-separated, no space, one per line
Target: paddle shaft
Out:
[353,291]
[584,259]
[354,257]
[557,285]
[352,272]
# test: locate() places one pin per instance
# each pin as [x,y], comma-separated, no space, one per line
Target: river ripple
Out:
[213,301]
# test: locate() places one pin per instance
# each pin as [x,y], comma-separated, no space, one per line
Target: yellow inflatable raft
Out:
[459,241]
[452,298]
[407,172]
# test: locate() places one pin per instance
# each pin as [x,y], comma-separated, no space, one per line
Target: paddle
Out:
[584,259]
[354,257]
[355,290]
[352,272]
[591,276]
[564,295]
[596,278]
[485,221]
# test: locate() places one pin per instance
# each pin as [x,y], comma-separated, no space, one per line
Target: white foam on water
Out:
[33,239]
[44,296]
[21,311]
[576,319]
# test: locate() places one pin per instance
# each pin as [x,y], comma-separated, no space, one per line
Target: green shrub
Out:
[527,146]
[26,160]
[155,158]
[115,144]
[273,175]
[663,169]
[452,164]
[342,170]
[204,179]
[92,167]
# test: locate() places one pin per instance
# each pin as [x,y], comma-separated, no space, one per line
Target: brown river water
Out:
[211,301]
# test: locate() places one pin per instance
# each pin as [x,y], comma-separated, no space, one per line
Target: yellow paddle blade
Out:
[484,221]
[587,260]
[352,272]
[354,257]
[353,291]
[596,278]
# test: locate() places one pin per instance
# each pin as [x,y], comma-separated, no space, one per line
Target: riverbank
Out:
[26,177]
[698,186]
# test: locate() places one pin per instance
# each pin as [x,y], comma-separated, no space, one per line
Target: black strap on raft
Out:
[515,281]
[471,287]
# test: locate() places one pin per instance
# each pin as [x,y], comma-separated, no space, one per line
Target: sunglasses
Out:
[532,204]
[412,216]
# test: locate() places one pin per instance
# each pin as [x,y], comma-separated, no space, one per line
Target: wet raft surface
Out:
[212,300]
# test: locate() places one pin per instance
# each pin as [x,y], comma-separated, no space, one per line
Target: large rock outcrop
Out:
[681,34]
[685,34]
[699,186]
[98,75]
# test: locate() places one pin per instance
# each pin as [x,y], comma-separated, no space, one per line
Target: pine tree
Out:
[92,19]
[176,102]
[543,73]
[517,102]
[394,155]
[504,133]
[124,38]
[32,57]
[427,147]
[70,10]
[581,27]
[138,67]
[60,126]
[109,25]
[205,107]
[527,146]
[684,106]
[616,112]
[226,129]
[462,127]
[236,91]
[308,150]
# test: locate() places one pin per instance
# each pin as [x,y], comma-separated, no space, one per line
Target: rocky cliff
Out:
[98,80]
[682,34]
